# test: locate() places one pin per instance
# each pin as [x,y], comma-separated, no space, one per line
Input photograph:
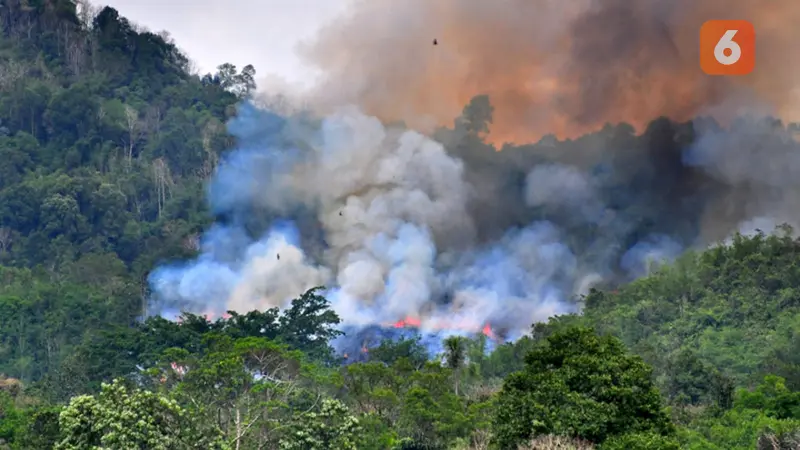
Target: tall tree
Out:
[119,417]
[579,384]
[455,357]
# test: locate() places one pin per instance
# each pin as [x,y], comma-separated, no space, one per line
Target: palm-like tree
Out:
[455,356]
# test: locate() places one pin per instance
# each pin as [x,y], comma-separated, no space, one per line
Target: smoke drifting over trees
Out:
[405,220]
[108,144]
[449,231]
[549,66]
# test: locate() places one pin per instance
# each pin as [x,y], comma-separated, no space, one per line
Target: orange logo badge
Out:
[727,47]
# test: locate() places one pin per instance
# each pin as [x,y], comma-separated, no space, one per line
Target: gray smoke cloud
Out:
[441,227]
[551,66]
[447,231]
[392,207]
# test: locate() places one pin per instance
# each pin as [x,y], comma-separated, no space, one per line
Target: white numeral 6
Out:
[726,42]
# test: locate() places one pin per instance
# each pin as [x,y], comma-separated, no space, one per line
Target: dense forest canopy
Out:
[107,144]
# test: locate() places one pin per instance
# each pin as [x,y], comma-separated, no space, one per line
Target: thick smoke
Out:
[389,230]
[440,227]
[552,66]
[398,225]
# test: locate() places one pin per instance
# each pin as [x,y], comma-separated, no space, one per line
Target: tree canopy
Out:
[578,384]
[107,141]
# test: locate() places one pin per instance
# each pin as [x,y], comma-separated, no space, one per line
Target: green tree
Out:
[579,384]
[737,429]
[641,441]
[691,381]
[373,388]
[772,397]
[241,83]
[308,325]
[40,429]
[11,419]
[331,427]
[432,416]
[455,357]
[390,351]
[119,417]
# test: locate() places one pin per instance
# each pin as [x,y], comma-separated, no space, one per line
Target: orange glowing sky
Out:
[551,66]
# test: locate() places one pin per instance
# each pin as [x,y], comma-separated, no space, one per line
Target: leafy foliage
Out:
[107,140]
[332,427]
[119,418]
[579,384]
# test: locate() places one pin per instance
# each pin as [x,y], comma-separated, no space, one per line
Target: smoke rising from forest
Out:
[442,228]
[551,66]
[380,214]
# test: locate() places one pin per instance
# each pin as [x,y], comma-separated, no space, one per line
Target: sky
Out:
[264,33]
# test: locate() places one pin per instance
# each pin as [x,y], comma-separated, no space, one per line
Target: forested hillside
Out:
[107,141]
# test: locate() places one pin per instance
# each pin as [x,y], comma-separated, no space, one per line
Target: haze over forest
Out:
[547,229]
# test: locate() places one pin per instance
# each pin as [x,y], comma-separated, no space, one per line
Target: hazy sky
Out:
[263,33]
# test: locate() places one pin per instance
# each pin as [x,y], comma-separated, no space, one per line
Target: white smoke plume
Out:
[397,226]
[398,240]
[443,229]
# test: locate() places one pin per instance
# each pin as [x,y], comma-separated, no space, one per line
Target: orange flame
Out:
[414,322]
[408,322]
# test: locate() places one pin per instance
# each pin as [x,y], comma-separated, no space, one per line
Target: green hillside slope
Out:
[106,142]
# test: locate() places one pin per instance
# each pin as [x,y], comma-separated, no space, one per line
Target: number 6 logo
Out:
[727,43]
[727,47]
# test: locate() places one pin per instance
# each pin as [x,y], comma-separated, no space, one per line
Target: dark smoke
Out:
[397,226]
[552,66]
[445,229]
